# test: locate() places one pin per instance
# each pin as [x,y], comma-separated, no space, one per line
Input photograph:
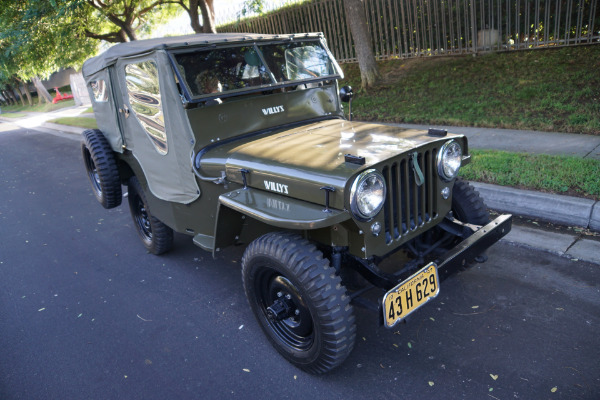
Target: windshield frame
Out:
[188,97]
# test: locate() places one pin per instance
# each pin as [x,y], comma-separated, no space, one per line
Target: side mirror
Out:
[346,94]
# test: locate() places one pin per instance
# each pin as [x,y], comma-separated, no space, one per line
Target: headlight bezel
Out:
[442,159]
[354,192]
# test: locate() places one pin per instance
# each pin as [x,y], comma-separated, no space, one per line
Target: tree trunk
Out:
[26,90]
[7,98]
[11,93]
[21,97]
[208,16]
[194,16]
[28,94]
[42,92]
[355,14]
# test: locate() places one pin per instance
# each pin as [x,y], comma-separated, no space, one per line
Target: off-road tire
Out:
[101,168]
[320,335]
[156,236]
[467,204]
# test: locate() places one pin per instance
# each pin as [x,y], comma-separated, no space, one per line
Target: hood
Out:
[300,161]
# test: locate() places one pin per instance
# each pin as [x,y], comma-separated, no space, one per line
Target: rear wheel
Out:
[156,236]
[299,301]
[101,168]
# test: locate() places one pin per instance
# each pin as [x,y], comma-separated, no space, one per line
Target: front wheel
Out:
[156,236]
[299,301]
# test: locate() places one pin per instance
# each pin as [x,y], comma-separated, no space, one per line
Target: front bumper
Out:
[452,261]
[466,251]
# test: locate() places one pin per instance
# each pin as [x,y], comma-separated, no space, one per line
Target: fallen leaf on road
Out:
[431,383]
[42,309]
[145,320]
[494,377]
[554,389]
[246,370]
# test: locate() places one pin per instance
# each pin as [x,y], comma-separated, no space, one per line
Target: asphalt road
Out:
[86,313]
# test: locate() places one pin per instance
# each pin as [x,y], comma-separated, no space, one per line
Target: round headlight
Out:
[449,160]
[367,194]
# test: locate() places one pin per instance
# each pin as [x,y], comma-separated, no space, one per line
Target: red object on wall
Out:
[60,97]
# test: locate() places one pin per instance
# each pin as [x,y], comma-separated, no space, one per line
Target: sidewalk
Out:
[36,119]
[535,142]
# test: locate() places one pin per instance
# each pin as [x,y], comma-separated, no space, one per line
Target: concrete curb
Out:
[64,128]
[565,210]
[561,244]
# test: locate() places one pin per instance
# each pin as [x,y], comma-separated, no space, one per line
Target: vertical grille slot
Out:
[409,206]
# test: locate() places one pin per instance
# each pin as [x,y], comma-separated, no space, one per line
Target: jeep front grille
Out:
[410,207]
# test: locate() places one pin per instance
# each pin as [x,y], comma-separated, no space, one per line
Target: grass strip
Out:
[83,122]
[566,175]
[45,107]
[13,115]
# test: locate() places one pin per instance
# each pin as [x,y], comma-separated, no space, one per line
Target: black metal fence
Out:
[409,28]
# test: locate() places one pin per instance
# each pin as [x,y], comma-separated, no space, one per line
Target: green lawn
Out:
[548,90]
[554,174]
[83,122]
[12,115]
[45,107]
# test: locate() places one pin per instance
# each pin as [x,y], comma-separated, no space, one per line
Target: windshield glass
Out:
[207,72]
[295,61]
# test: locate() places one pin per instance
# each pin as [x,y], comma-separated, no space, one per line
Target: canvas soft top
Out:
[137,47]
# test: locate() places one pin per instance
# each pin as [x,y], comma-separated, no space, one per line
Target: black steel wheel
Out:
[101,168]
[299,301]
[467,204]
[156,236]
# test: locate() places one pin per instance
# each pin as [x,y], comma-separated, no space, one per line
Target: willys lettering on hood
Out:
[299,162]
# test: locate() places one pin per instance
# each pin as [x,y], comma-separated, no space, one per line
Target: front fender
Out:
[272,209]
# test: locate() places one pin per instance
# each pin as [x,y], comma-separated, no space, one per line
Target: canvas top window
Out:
[221,72]
[100,90]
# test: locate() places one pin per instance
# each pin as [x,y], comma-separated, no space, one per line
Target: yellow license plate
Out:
[410,295]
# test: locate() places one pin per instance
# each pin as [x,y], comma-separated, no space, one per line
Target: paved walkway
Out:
[554,143]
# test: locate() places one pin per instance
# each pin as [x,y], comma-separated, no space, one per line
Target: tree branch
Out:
[112,37]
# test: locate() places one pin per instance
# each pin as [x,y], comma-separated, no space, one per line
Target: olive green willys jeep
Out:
[242,138]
